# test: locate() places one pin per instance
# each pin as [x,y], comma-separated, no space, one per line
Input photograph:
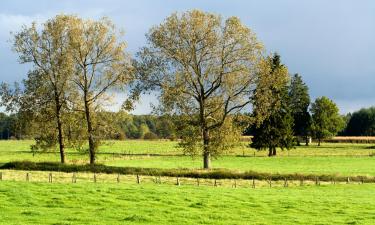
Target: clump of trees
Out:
[276,130]
[361,123]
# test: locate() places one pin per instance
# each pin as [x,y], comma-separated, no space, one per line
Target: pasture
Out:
[126,202]
[83,203]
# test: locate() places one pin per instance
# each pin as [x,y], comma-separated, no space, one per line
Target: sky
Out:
[331,44]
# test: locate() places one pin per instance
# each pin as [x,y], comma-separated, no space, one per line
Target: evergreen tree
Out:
[299,104]
[277,129]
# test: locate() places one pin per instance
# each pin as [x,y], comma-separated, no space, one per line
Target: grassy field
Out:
[105,203]
[339,159]
[109,202]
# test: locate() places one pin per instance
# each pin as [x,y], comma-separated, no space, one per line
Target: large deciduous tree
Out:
[46,88]
[271,104]
[205,69]
[101,64]
[326,120]
[299,105]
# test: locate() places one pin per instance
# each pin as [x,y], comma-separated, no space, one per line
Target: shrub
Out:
[150,136]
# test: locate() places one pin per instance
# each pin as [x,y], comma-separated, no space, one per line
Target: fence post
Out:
[198,182]
[285,182]
[74,180]
[253,184]
[138,179]
[1,176]
[94,177]
[348,180]
[301,182]
[27,177]
[50,177]
[215,184]
[118,178]
[159,179]
[270,182]
[317,182]
[235,184]
[178,181]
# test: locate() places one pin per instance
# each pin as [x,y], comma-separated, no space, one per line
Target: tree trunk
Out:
[269,151]
[307,140]
[206,151]
[61,139]
[90,131]
[318,141]
[59,128]
[273,151]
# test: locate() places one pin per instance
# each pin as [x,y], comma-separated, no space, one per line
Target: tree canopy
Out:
[205,69]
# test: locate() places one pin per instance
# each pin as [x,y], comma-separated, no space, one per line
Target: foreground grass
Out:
[88,203]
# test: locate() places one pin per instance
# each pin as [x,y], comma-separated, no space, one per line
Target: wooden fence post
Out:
[348,181]
[253,184]
[27,177]
[235,184]
[1,176]
[215,184]
[50,178]
[74,179]
[198,182]
[301,182]
[285,182]
[94,177]
[118,178]
[138,179]
[317,182]
[178,181]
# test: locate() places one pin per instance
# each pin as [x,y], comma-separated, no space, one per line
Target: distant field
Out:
[338,158]
[105,203]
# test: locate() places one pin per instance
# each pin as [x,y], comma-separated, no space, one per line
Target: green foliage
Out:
[299,104]
[276,129]
[326,120]
[361,123]
[204,68]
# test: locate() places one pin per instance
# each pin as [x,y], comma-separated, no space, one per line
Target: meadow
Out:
[330,158]
[108,201]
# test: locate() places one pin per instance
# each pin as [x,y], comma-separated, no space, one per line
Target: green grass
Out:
[105,203]
[338,159]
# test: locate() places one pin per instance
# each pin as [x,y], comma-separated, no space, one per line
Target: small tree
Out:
[101,64]
[205,70]
[276,129]
[299,104]
[326,120]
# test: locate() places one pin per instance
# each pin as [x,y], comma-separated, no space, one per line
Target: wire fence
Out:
[81,177]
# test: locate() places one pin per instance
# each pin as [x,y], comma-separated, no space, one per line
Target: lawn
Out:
[108,203]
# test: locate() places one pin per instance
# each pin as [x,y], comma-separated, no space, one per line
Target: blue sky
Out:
[330,43]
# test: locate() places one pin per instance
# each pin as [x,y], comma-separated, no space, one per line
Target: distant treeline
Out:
[124,126]
[128,126]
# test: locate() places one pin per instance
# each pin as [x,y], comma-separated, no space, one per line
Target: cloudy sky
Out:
[330,43]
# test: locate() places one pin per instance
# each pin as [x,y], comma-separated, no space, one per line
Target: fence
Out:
[61,177]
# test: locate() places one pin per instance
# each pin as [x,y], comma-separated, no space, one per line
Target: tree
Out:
[276,129]
[46,88]
[299,104]
[326,121]
[361,123]
[101,64]
[205,70]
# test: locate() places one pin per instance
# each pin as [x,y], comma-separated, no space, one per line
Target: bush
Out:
[150,136]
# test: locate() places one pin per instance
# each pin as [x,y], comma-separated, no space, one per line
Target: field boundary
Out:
[185,173]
